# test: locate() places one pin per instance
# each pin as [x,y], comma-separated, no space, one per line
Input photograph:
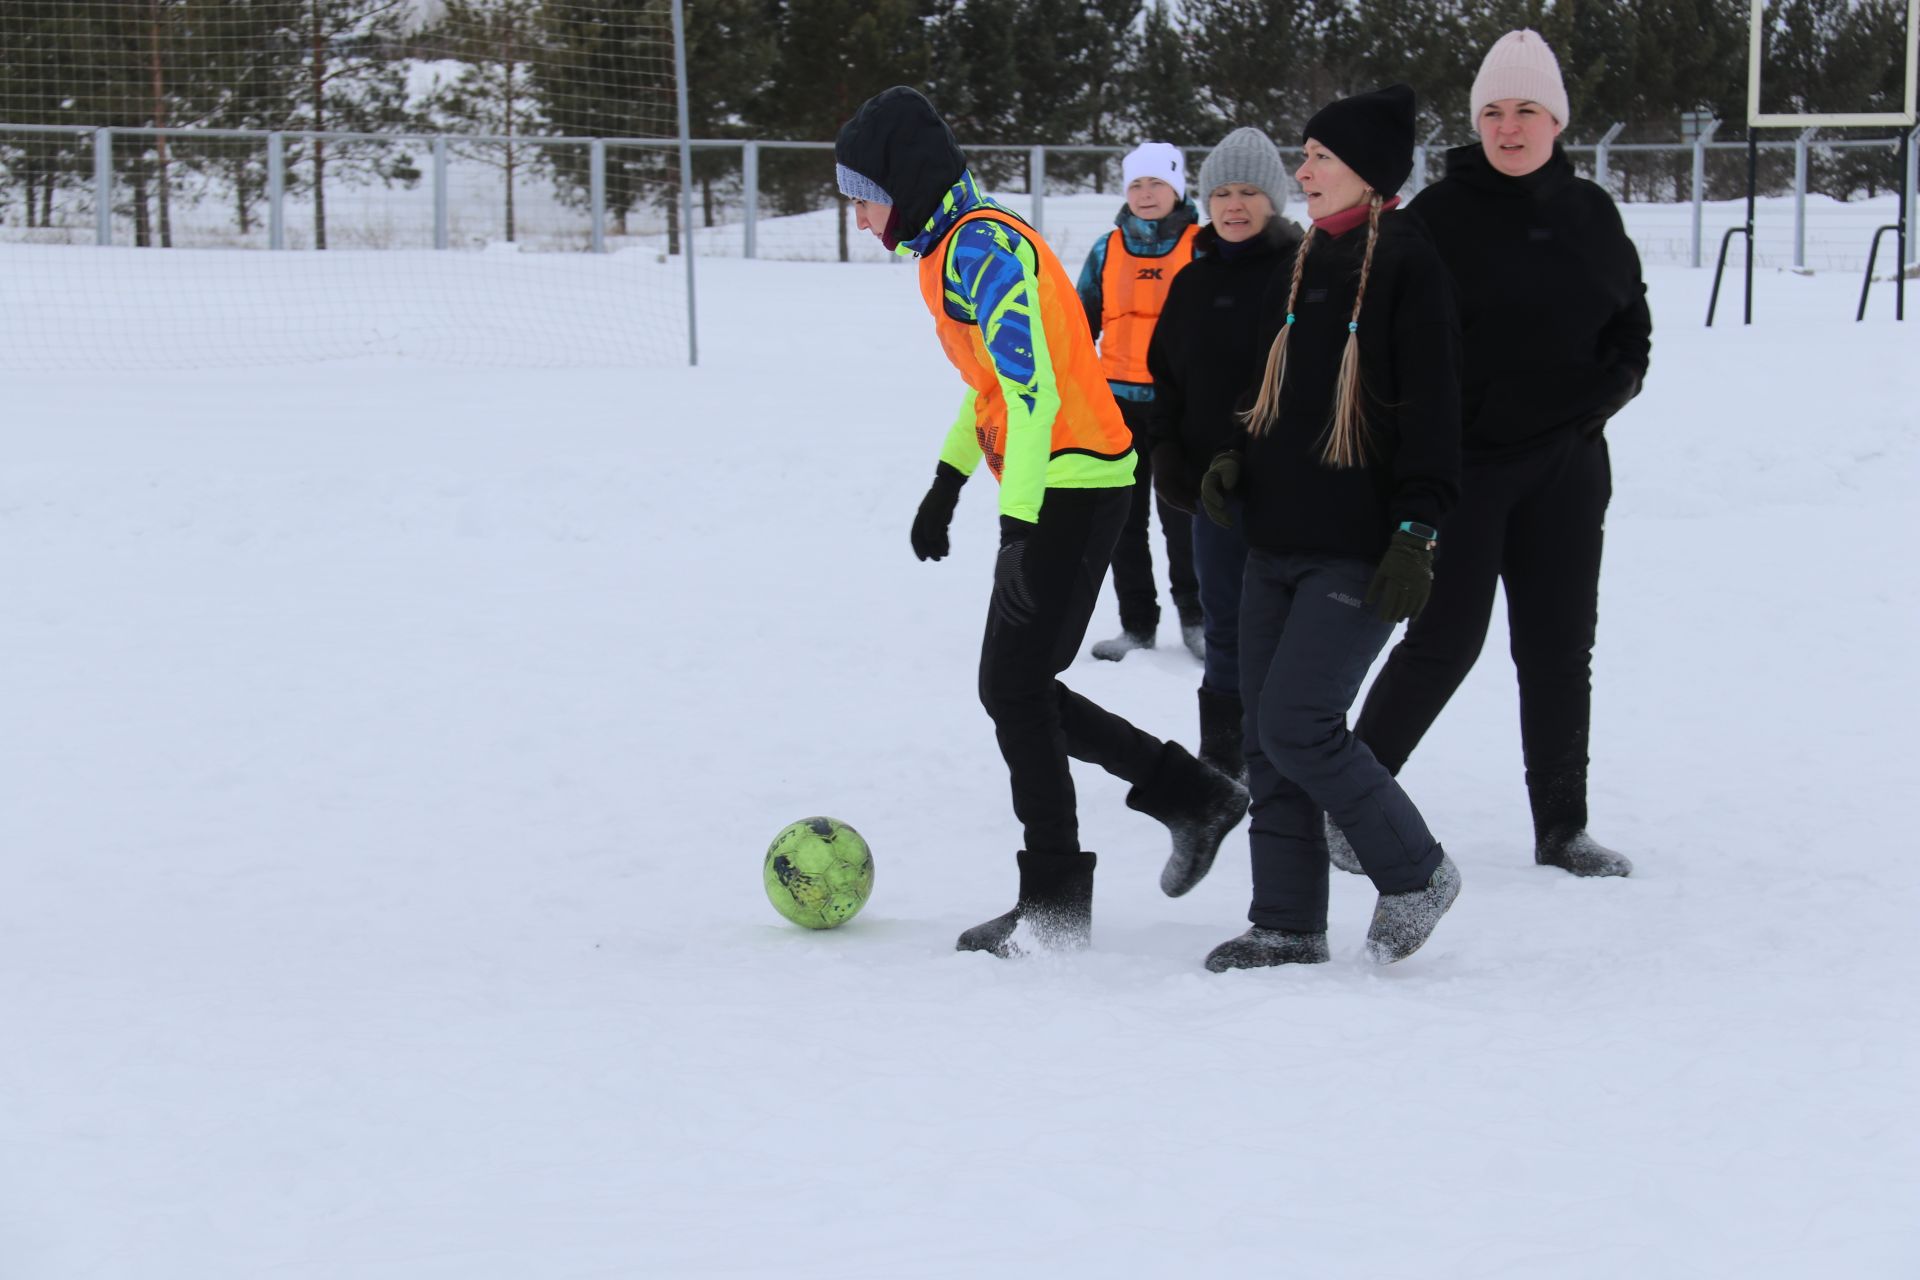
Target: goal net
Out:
[202,182]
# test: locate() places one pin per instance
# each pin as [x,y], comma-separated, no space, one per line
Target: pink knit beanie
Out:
[1520,65]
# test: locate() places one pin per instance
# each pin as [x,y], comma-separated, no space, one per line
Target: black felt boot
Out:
[1221,733]
[1559,801]
[1260,948]
[1054,911]
[1580,853]
[1198,804]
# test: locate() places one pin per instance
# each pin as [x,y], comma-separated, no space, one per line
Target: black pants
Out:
[1039,721]
[1306,641]
[1533,523]
[1133,554]
[1220,562]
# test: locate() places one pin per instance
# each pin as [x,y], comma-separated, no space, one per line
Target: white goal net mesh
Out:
[263,181]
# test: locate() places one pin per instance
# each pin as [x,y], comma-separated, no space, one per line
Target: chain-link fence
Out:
[494,248]
[776,199]
[1677,198]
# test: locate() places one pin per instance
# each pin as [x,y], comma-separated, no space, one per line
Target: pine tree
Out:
[1862,52]
[1688,57]
[1597,63]
[41,64]
[1253,60]
[1423,43]
[1051,61]
[1112,43]
[974,80]
[349,84]
[243,61]
[731,51]
[835,54]
[494,93]
[112,68]
[607,74]
[1163,100]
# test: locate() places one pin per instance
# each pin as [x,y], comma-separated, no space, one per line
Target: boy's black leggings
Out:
[1039,721]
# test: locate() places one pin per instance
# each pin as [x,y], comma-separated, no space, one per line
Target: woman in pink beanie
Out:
[1555,327]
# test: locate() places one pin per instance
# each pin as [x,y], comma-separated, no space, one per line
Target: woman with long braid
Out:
[1350,462]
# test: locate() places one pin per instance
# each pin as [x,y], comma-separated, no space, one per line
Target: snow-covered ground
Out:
[391,749]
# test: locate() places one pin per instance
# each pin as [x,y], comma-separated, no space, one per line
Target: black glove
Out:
[1222,478]
[1012,598]
[936,513]
[1171,478]
[1404,579]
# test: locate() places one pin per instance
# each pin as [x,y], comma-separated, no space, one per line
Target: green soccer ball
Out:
[819,873]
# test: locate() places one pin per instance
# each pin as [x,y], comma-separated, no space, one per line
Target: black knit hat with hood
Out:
[897,148]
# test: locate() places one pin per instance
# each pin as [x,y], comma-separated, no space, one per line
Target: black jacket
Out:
[1206,349]
[1410,374]
[1553,312]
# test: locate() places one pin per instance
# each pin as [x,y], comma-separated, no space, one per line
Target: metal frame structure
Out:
[686,170]
[1756,29]
[1808,121]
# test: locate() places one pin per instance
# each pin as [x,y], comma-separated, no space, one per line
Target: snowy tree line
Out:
[1099,71]
[1096,72]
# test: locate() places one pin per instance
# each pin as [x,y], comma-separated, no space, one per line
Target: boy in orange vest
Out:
[1123,287]
[1038,412]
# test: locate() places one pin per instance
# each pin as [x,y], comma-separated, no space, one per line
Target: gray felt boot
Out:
[1403,921]
[1260,948]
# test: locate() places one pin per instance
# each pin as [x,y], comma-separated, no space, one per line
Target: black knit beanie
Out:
[1372,133]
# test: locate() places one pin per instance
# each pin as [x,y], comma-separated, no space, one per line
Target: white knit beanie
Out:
[1520,65]
[1160,160]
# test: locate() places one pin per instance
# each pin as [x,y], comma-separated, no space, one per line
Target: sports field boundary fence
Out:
[1681,172]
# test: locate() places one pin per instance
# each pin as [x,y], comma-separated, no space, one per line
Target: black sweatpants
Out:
[1533,523]
[1133,583]
[1039,721]
[1307,638]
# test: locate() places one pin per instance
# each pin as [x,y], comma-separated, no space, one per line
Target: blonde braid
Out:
[1266,406]
[1346,438]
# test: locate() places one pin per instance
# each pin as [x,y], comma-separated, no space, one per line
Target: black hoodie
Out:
[899,142]
[1206,351]
[1553,312]
[1410,377]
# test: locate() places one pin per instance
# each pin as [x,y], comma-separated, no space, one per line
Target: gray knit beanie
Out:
[1249,156]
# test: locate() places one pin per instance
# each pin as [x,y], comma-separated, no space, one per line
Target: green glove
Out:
[1222,478]
[1404,579]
